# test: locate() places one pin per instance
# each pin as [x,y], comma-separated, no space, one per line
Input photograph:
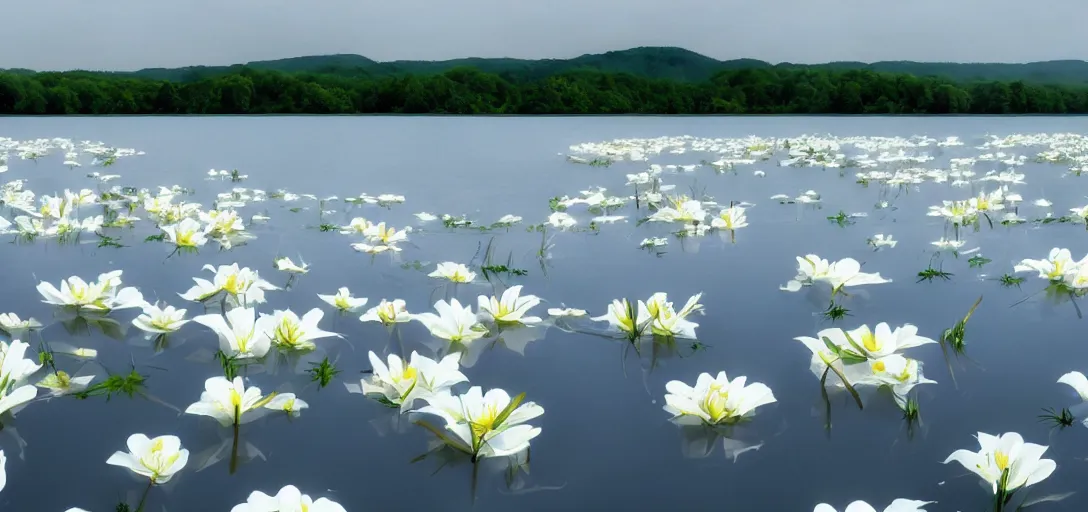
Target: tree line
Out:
[470,91]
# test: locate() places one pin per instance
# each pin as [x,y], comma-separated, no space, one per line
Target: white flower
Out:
[1009,452]
[453,322]
[12,324]
[102,295]
[880,240]
[285,264]
[626,318]
[400,384]
[289,332]
[1055,267]
[477,425]
[187,233]
[229,402]
[388,313]
[843,273]
[455,272]
[561,220]
[715,400]
[15,369]
[508,220]
[899,505]
[242,285]
[287,402]
[238,333]
[343,300]
[731,218]
[157,320]
[654,242]
[158,459]
[289,499]
[511,308]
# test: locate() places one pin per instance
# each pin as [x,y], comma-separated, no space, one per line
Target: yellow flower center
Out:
[342,302]
[485,422]
[1002,460]
[870,341]
[878,367]
[288,332]
[715,403]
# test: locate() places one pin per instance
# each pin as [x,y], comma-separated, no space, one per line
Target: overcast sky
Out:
[132,34]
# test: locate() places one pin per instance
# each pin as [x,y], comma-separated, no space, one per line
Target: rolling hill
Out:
[652,62]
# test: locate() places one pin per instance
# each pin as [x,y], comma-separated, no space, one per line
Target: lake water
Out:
[606,443]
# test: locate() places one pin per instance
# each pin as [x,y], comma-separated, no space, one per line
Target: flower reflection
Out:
[700,441]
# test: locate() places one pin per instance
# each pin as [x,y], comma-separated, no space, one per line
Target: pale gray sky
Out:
[132,34]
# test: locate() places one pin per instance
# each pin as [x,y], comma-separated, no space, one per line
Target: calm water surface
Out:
[606,442]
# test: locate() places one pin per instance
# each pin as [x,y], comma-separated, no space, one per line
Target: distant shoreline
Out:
[468,91]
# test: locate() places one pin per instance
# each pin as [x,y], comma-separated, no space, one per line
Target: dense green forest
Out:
[647,62]
[471,91]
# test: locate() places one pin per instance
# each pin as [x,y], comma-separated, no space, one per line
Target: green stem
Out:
[234,451]
[143,497]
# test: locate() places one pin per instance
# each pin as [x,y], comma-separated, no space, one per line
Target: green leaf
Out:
[858,350]
[835,349]
[453,443]
[514,403]
[849,387]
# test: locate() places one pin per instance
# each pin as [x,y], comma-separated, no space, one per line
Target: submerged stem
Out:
[234,451]
[143,497]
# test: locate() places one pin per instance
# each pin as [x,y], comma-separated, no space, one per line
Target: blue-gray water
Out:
[606,442]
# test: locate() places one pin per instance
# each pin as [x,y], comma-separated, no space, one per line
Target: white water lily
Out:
[654,242]
[102,295]
[561,220]
[289,499]
[187,233]
[357,226]
[60,383]
[876,343]
[288,403]
[285,264]
[899,505]
[626,318]
[1078,382]
[512,307]
[159,320]
[687,211]
[289,332]
[956,212]
[484,425]
[400,384]
[1009,453]
[238,333]
[380,234]
[715,400]
[455,272]
[453,322]
[158,459]
[15,369]
[343,300]
[426,217]
[843,273]
[880,240]
[668,322]
[243,286]
[898,373]
[229,402]
[731,218]
[387,313]
[1055,267]
[12,324]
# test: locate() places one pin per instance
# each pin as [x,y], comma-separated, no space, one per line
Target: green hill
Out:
[650,62]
